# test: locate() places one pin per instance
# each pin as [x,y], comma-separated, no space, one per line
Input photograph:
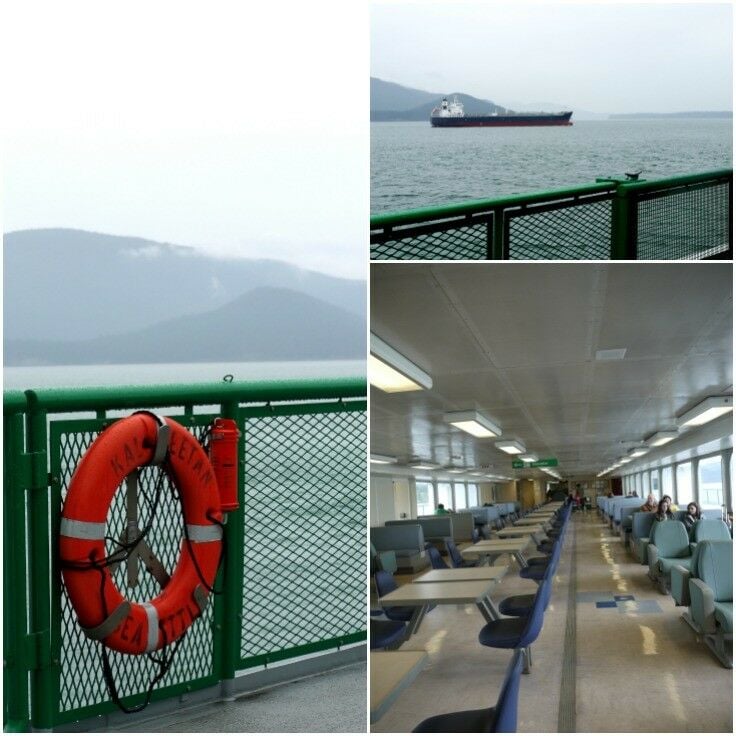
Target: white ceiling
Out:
[518,342]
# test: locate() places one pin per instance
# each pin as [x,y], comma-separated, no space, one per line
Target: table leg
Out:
[485,611]
[521,560]
[491,608]
[416,620]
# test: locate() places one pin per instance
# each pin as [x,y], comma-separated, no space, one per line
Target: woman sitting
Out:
[663,510]
[693,514]
[650,504]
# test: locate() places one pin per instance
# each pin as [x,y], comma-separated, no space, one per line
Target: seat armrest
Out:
[652,557]
[702,609]
[679,589]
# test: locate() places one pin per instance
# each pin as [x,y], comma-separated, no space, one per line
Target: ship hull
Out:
[501,121]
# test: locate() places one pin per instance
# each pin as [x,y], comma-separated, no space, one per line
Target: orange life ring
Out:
[103,612]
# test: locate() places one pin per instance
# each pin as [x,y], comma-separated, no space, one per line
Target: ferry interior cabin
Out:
[520,417]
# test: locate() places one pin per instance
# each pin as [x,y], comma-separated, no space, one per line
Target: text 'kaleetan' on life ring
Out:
[104,614]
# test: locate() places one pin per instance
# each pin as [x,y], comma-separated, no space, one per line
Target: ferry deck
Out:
[581,365]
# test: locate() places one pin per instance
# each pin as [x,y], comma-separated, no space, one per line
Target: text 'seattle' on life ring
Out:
[117,453]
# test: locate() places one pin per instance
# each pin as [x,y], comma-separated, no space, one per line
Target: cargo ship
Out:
[452,115]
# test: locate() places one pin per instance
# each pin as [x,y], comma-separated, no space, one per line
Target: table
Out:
[422,595]
[391,673]
[461,574]
[511,531]
[492,548]
[527,521]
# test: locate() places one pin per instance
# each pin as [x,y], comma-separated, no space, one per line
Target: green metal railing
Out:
[293,578]
[683,217]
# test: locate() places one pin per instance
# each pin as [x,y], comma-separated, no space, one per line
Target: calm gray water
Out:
[414,165]
[163,373]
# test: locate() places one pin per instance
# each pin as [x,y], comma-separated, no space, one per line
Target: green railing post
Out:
[44,678]
[231,603]
[623,225]
[16,642]
[498,249]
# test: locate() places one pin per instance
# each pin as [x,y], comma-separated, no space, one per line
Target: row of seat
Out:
[695,567]
[518,629]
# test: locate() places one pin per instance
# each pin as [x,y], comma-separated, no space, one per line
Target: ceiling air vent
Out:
[615,354]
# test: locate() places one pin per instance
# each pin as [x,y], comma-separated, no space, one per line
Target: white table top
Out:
[519,531]
[462,574]
[530,522]
[419,594]
[497,545]
[392,672]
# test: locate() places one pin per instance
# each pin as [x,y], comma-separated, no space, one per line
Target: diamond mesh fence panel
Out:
[688,223]
[574,231]
[462,242]
[305,532]
[82,683]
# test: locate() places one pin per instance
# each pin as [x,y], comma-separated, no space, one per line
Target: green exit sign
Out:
[548,462]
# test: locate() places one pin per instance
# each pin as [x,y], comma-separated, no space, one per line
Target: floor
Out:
[332,702]
[629,664]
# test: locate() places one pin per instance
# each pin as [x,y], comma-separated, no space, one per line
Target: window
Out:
[667,486]
[425,498]
[645,483]
[684,484]
[473,495]
[444,495]
[710,483]
[654,482]
[461,498]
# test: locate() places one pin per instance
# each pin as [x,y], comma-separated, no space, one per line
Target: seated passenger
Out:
[693,515]
[673,507]
[650,504]
[663,510]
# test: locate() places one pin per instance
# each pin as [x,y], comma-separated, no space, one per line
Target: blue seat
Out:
[499,719]
[521,632]
[386,634]
[435,559]
[385,583]
[455,557]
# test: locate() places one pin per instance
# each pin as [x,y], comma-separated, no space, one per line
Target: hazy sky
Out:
[593,56]
[240,128]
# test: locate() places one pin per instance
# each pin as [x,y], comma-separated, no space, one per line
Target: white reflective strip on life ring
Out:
[152,615]
[92,530]
[204,532]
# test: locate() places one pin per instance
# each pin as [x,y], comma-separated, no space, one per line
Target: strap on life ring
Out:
[115,455]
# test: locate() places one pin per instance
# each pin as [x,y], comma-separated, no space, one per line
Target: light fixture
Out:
[453,469]
[383,459]
[624,460]
[390,371]
[473,422]
[662,438]
[638,451]
[706,411]
[512,447]
[422,465]
[529,457]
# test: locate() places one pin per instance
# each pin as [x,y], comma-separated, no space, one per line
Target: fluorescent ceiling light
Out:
[614,354]
[706,411]
[624,460]
[390,371]
[662,438]
[452,469]
[422,465]
[529,457]
[512,447]
[474,423]
[383,459]
[638,451]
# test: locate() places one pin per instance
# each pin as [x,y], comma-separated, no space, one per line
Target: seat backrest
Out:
[400,537]
[641,524]
[709,529]
[385,583]
[435,558]
[671,539]
[715,568]
[536,616]
[507,704]
[455,556]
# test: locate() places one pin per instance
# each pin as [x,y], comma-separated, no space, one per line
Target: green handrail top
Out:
[474,206]
[674,181]
[131,397]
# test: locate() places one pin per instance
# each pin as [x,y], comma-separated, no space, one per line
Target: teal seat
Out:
[702,531]
[711,597]
[669,546]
